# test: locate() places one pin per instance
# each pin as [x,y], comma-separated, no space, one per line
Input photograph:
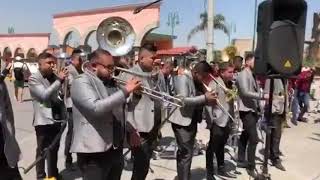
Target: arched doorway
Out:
[19,52]
[71,41]
[31,55]
[91,41]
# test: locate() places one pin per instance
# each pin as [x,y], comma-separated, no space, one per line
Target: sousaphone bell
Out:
[116,35]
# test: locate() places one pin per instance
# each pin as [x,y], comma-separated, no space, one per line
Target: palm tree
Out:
[219,24]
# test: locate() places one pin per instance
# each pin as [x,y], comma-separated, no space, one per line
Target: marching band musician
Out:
[166,77]
[277,118]
[184,120]
[74,70]
[49,110]
[9,148]
[219,122]
[144,113]
[99,119]
[249,97]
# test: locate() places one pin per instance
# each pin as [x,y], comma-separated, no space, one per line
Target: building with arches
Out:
[78,29]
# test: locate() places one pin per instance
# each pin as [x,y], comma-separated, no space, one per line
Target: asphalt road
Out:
[300,144]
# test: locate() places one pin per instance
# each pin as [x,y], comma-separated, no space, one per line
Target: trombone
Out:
[145,90]
[219,103]
[155,94]
[230,93]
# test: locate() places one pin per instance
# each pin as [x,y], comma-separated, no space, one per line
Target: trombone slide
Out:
[156,94]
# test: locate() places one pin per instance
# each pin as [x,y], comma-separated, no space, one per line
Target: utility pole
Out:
[210,47]
[255,25]
[232,29]
[173,21]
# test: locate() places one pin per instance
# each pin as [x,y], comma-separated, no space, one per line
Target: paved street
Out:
[300,144]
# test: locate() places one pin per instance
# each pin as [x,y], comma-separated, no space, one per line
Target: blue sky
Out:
[36,16]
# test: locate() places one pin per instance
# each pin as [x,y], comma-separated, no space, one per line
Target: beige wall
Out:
[243,45]
[24,42]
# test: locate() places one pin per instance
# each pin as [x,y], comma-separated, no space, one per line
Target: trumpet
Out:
[230,93]
[156,94]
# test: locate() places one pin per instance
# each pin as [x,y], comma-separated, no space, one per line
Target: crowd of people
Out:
[105,116]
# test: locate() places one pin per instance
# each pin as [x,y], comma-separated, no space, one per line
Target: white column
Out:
[210,30]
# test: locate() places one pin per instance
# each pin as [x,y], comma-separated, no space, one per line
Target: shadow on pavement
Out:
[314,139]
[318,134]
[27,100]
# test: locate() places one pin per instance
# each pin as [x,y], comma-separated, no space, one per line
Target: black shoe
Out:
[303,120]
[294,122]
[242,164]
[69,166]
[286,125]
[279,165]
[59,177]
[224,173]
[252,173]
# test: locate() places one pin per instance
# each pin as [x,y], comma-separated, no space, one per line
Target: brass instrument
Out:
[156,94]
[61,64]
[237,126]
[145,90]
[230,93]
[218,103]
[116,35]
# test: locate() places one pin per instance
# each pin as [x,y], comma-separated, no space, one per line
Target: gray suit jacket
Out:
[92,109]
[11,147]
[185,88]
[43,94]
[249,94]
[214,114]
[73,73]
[142,111]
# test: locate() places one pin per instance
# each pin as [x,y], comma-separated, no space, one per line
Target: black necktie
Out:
[118,133]
[118,125]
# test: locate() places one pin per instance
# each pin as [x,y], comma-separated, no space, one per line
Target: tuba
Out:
[116,35]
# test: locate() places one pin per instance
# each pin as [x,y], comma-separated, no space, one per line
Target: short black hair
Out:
[249,56]
[149,47]
[45,55]
[76,51]
[202,67]
[92,57]
[224,66]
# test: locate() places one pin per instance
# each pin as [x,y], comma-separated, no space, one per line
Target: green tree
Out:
[231,51]
[218,24]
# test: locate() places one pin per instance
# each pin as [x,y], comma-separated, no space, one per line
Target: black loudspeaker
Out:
[281,30]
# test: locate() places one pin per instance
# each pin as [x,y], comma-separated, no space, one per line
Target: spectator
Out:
[19,67]
[303,85]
